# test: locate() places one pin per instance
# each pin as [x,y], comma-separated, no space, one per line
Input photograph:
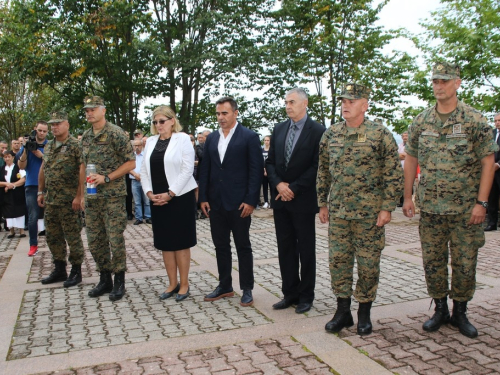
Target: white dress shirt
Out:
[224,141]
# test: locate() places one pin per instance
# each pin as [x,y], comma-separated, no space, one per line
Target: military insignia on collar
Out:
[457,128]
[439,67]
[361,138]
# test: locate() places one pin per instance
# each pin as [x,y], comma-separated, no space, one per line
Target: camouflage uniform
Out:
[61,165]
[450,156]
[359,175]
[105,214]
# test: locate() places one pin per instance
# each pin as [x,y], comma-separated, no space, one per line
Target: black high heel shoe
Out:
[166,295]
[182,297]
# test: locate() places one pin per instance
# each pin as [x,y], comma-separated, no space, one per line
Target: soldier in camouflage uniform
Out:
[454,146]
[106,146]
[358,183]
[60,193]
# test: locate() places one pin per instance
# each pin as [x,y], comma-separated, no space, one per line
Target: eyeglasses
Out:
[161,121]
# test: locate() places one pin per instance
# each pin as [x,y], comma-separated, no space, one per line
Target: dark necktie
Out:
[289,143]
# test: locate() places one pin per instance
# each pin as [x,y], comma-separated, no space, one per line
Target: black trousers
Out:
[493,204]
[296,236]
[222,223]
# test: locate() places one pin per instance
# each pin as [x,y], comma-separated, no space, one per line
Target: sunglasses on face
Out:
[161,122]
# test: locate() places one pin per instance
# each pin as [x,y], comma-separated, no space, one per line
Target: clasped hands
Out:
[284,192]
[159,199]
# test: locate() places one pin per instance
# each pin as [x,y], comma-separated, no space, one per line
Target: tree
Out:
[85,47]
[467,32]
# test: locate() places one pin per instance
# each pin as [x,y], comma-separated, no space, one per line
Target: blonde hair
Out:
[166,111]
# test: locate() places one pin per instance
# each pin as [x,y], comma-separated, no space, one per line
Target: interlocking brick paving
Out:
[59,320]
[264,245]
[8,244]
[279,356]
[4,262]
[488,259]
[405,348]
[400,281]
[401,234]
[141,256]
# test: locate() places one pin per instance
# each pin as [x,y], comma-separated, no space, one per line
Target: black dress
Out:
[174,224]
[13,201]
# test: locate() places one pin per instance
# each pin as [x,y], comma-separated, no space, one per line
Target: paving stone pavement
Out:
[53,330]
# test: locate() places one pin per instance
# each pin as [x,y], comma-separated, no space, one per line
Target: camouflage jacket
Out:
[449,156]
[108,150]
[61,169]
[359,172]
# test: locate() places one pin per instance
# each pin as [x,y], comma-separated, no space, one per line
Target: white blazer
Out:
[178,163]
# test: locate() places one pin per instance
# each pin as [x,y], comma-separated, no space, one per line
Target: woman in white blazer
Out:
[167,180]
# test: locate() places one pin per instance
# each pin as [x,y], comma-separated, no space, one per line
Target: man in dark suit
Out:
[292,165]
[495,188]
[230,179]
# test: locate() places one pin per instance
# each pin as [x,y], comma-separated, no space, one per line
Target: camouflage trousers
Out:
[62,224]
[360,239]
[106,219]
[440,236]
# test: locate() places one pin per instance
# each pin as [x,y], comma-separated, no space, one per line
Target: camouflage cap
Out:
[93,102]
[445,70]
[58,116]
[354,91]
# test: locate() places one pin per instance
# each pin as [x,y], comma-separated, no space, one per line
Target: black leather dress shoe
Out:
[166,295]
[284,304]
[303,307]
[490,228]
[130,217]
[137,222]
[219,293]
[246,298]
[182,297]
[148,221]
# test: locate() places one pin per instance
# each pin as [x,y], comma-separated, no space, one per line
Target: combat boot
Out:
[105,285]
[364,322]
[342,317]
[58,274]
[459,319]
[119,287]
[75,276]
[441,315]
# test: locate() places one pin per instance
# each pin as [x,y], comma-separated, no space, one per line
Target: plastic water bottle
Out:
[91,188]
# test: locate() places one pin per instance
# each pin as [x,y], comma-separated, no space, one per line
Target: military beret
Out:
[354,91]
[58,116]
[445,70]
[93,102]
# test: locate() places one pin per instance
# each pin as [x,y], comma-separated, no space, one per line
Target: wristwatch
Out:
[106,179]
[482,203]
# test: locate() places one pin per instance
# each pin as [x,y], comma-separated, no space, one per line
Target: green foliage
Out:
[468,32]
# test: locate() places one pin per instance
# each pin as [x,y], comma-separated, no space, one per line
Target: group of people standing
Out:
[349,173]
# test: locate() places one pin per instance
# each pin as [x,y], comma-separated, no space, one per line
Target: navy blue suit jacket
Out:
[302,167]
[238,178]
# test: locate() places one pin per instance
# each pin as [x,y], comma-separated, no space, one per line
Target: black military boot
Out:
[105,285]
[440,317]
[364,322]
[459,319]
[119,287]
[58,274]
[342,317]
[75,276]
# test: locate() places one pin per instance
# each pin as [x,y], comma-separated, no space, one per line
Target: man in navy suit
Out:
[229,189]
[292,165]
[495,188]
